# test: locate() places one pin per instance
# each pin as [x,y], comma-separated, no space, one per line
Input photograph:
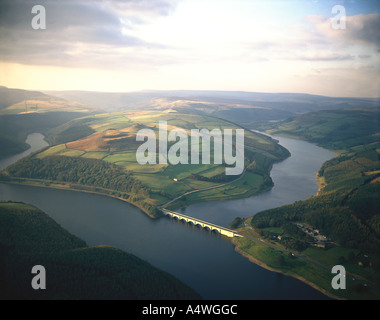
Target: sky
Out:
[301,46]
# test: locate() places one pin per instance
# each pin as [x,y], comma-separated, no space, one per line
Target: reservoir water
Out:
[294,179]
[36,142]
[205,261]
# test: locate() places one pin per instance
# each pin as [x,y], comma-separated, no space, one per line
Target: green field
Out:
[14,128]
[339,130]
[306,271]
[249,185]
[111,138]
[24,112]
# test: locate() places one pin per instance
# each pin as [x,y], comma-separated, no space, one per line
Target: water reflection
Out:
[36,142]
[204,260]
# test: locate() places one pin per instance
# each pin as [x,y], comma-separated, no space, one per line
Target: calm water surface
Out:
[203,260]
[294,179]
[36,142]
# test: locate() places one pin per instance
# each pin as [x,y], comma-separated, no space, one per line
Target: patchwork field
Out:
[112,138]
[49,104]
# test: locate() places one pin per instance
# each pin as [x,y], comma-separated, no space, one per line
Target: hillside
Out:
[247,109]
[340,225]
[339,130]
[29,237]
[12,96]
[23,112]
[109,141]
[17,101]
[291,102]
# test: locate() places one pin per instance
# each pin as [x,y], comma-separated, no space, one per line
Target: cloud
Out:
[100,28]
[360,82]
[173,43]
[325,56]
[300,44]
[362,29]
[318,41]
[364,56]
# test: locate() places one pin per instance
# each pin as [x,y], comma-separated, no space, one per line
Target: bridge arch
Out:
[215,230]
[201,224]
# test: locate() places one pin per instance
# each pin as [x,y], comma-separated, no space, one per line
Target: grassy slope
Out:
[23,112]
[337,130]
[346,208]
[29,237]
[111,138]
[14,128]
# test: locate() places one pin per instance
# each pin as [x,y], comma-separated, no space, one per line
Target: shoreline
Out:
[63,186]
[78,190]
[232,240]
[261,191]
[237,247]
[265,266]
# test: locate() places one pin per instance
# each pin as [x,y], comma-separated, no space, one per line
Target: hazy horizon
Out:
[51,92]
[224,45]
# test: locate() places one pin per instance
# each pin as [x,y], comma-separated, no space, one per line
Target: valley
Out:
[95,152]
[346,208]
[111,139]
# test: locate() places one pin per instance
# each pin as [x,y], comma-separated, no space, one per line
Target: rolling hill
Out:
[108,141]
[23,112]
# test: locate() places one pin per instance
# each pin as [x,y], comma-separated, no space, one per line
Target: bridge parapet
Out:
[222,230]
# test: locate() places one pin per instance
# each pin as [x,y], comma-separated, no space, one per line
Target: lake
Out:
[36,142]
[294,179]
[204,260]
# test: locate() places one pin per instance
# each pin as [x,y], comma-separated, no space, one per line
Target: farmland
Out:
[24,112]
[111,138]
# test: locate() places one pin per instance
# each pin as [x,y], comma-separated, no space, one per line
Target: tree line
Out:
[90,172]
